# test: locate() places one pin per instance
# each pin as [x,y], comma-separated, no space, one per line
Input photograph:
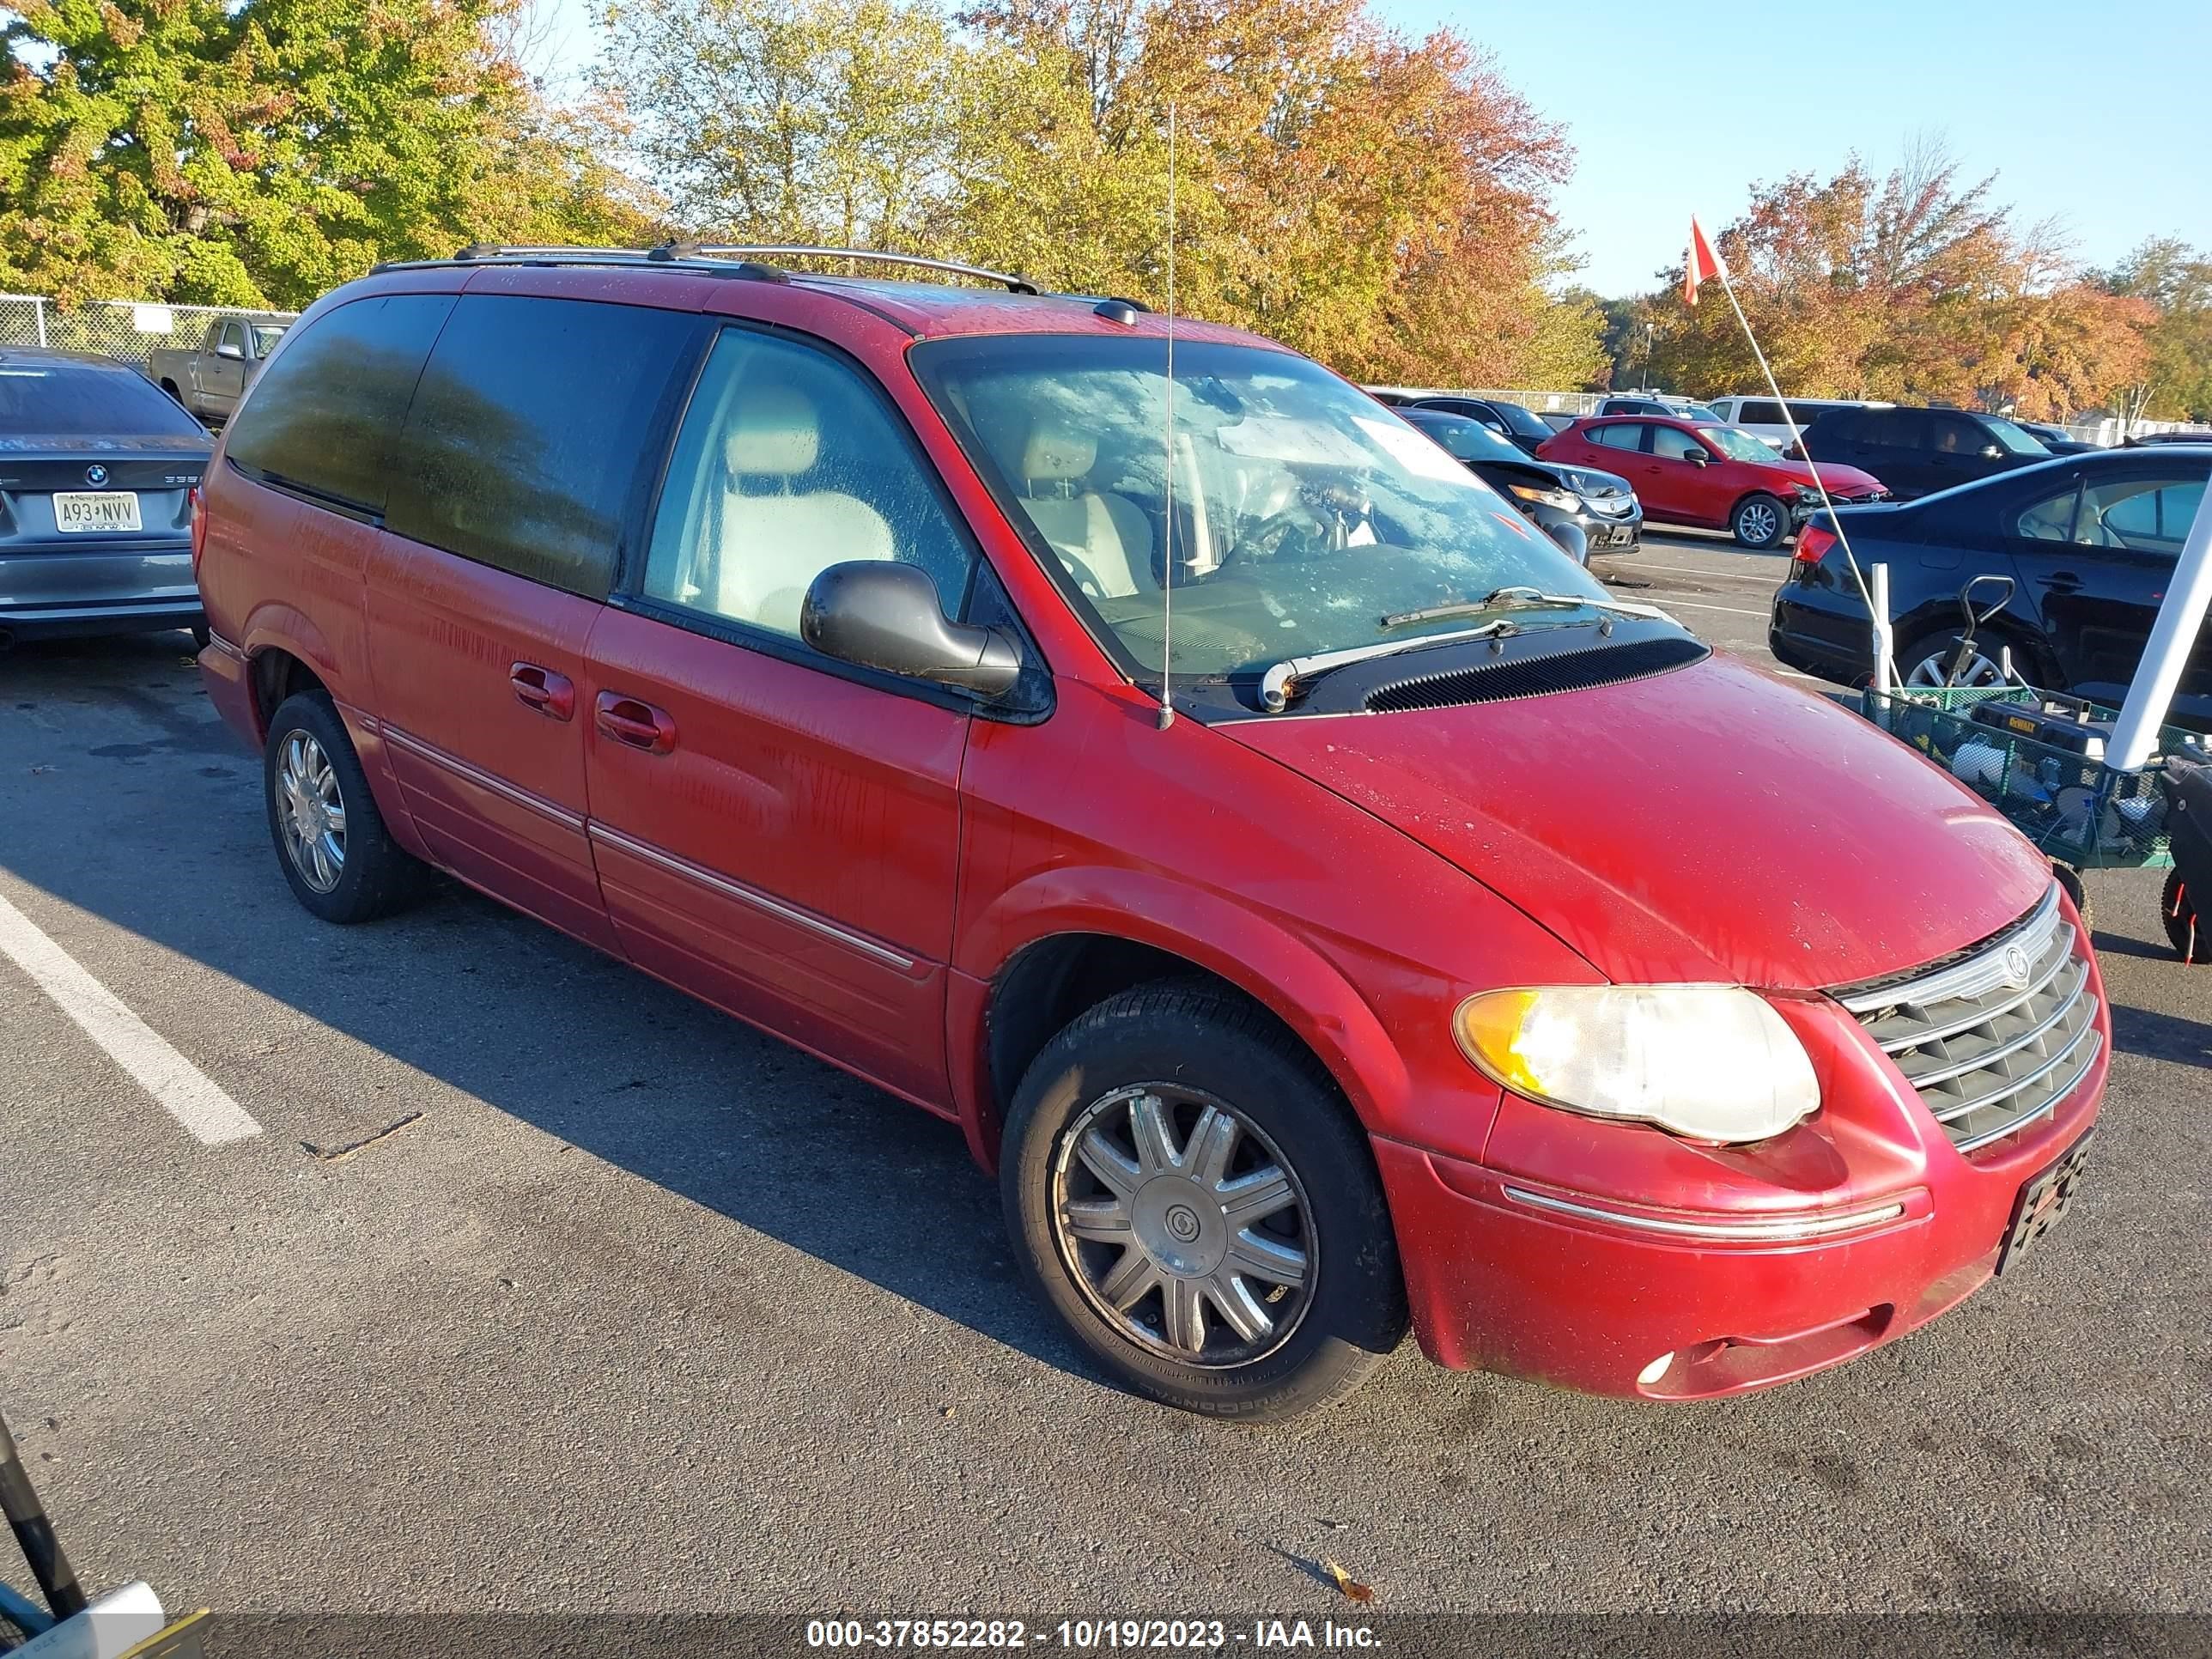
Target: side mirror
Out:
[235,353]
[1990,452]
[881,614]
[1572,542]
[1696,457]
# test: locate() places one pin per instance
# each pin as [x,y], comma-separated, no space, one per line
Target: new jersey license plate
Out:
[79,510]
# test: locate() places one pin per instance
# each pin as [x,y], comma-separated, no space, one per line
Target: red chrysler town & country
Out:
[1466,948]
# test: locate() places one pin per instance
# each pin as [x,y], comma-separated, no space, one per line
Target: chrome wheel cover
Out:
[1183,1226]
[311,811]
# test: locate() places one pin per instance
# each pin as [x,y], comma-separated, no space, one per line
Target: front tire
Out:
[1194,1198]
[332,843]
[1759,522]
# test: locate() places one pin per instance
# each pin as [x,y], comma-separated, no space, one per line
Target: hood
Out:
[1710,823]
[1841,480]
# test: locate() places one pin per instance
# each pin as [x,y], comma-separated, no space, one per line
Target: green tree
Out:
[256,153]
[2176,379]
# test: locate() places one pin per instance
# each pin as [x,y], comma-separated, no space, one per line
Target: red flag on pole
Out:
[1702,264]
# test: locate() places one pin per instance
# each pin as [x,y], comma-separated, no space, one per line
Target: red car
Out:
[1441,940]
[1703,473]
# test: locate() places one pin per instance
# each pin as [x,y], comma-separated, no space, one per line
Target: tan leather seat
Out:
[769,545]
[1102,538]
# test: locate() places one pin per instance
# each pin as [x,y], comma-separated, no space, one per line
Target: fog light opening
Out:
[1652,1372]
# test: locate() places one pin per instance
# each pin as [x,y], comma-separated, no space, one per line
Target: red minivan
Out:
[1319,902]
[1709,474]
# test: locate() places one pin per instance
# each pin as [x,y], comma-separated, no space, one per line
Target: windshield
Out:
[1469,440]
[1736,444]
[2019,442]
[54,397]
[1518,419]
[1304,512]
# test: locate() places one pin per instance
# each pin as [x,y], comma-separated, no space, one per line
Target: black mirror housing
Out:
[1571,540]
[878,613]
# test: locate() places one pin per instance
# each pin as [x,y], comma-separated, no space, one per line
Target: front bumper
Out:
[1604,532]
[1795,1258]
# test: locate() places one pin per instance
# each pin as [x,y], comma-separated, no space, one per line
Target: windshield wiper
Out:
[1275,684]
[1520,596]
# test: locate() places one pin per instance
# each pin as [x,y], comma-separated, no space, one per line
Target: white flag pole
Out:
[2172,637]
[1888,669]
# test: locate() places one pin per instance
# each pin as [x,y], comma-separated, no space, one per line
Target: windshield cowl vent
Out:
[1535,677]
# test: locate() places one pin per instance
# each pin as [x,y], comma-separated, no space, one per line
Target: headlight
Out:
[1808,494]
[1713,1062]
[1559,498]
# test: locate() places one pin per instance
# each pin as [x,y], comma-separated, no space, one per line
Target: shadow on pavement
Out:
[492,1003]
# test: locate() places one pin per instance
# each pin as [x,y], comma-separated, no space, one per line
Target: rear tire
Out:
[1759,522]
[1142,1226]
[2185,929]
[332,843]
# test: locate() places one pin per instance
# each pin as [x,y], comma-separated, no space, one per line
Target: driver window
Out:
[786,465]
[1670,443]
[234,336]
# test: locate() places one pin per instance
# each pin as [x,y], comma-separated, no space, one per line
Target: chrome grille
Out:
[1997,1038]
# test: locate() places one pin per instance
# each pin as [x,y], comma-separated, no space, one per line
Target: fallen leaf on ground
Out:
[1351,1586]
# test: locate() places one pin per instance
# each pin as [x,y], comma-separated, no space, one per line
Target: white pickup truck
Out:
[209,381]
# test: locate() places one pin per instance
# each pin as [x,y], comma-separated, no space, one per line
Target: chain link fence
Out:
[127,328]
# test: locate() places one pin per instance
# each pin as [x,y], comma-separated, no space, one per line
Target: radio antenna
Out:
[1167,455]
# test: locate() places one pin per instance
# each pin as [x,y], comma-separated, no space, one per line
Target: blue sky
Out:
[2096,113]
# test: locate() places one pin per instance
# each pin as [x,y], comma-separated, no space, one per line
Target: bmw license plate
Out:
[79,510]
[2043,1203]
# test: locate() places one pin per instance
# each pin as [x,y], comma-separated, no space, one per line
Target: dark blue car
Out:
[2089,542]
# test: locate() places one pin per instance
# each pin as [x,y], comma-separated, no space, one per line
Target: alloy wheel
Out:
[1183,1226]
[1757,524]
[312,811]
[1935,670]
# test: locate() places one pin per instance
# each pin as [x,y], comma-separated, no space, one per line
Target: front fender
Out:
[1259,955]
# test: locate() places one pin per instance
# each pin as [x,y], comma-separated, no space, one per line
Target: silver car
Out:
[98,469]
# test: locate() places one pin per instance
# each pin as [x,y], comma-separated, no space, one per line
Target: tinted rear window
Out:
[529,430]
[325,415]
[53,398]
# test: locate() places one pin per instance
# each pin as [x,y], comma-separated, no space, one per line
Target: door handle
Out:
[550,693]
[640,724]
[2061,581]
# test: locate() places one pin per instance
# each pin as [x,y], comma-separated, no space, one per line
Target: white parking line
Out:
[190,1097]
[1666,603]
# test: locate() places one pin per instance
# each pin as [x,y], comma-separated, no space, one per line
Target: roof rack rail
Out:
[1013,284]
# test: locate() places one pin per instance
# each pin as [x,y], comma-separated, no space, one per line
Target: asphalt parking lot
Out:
[543,1287]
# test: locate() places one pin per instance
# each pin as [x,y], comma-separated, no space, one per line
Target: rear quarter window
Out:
[529,431]
[325,415]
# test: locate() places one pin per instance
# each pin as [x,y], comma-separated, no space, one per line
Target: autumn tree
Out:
[2176,280]
[251,152]
[1914,285]
[1378,201]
